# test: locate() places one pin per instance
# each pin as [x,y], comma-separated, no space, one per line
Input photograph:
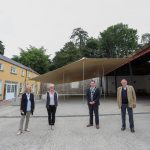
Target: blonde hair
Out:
[51,85]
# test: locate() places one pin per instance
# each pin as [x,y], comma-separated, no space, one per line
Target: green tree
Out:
[118,41]
[67,54]
[16,58]
[91,49]
[80,37]
[145,39]
[2,48]
[34,58]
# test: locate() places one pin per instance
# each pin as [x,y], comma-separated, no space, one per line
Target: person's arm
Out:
[46,99]
[87,95]
[57,95]
[33,102]
[118,101]
[134,97]
[21,104]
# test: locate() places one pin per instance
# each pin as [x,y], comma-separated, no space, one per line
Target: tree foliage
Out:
[80,37]
[91,49]
[118,41]
[2,48]
[34,58]
[145,39]
[67,54]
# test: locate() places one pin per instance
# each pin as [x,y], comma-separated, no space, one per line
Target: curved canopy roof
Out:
[85,68]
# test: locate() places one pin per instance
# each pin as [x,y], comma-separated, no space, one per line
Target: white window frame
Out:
[32,86]
[28,74]
[22,73]
[1,67]
[36,88]
[13,69]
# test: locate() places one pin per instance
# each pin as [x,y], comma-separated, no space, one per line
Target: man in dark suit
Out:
[93,96]
[26,108]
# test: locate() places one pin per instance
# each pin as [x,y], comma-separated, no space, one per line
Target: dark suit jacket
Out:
[24,101]
[96,96]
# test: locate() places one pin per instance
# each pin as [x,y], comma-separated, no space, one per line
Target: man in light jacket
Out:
[126,99]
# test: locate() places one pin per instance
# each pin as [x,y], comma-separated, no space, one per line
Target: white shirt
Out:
[29,102]
[92,90]
[125,88]
[52,102]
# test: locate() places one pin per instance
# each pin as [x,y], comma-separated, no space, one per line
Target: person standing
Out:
[51,104]
[26,109]
[93,101]
[126,99]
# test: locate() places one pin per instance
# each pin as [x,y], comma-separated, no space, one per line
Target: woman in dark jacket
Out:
[51,104]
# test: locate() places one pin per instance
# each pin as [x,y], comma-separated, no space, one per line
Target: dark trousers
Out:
[130,114]
[94,108]
[51,110]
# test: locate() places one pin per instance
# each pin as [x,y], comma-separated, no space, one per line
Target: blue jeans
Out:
[130,114]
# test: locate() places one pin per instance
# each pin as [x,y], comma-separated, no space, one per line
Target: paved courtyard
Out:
[70,131]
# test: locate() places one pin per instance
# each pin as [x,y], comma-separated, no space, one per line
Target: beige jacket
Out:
[131,96]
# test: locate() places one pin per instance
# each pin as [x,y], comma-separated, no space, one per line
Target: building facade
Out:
[14,77]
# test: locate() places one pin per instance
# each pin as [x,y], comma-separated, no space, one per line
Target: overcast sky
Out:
[49,23]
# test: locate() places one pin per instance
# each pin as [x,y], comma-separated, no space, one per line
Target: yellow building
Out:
[14,77]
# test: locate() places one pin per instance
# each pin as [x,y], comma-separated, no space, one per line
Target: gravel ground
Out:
[70,131]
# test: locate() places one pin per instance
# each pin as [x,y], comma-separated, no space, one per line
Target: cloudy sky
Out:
[49,23]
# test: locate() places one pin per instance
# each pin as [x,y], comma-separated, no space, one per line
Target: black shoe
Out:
[89,125]
[97,126]
[132,130]
[123,128]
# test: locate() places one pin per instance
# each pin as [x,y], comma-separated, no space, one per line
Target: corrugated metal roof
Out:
[4,58]
[145,50]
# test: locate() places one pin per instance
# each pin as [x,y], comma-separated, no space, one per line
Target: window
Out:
[21,88]
[13,70]
[8,88]
[22,73]
[0,87]
[36,88]
[28,74]
[1,67]
[32,88]
[12,88]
